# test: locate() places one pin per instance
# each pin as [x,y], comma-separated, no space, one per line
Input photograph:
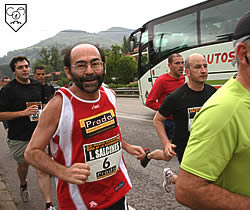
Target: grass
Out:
[112,85]
[216,82]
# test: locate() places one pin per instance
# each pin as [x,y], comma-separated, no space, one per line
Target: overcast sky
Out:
[45,18]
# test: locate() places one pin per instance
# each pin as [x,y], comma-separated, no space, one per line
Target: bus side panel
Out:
[144,86]
[146,82]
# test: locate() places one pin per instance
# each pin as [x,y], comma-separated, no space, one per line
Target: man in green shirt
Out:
[215,169]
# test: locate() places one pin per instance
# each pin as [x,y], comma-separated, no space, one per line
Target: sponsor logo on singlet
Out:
[93,204]
[119,186]
[97,124]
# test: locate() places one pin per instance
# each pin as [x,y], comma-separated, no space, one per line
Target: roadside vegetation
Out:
[216,82]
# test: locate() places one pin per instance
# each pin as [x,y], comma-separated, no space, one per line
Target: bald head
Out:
[85,47]
[193,59]
[196,70]
[86,50]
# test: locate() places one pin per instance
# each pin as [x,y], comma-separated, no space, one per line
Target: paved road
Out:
[137,127]
[8,170]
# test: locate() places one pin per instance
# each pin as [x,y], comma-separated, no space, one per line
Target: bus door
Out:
[145,82]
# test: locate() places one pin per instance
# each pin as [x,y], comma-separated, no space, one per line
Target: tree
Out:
[125,45]
[127,70]
[63,79]
[120,68]
[45,56]
[50,59]
[5,70]
[55,59]
[112,58]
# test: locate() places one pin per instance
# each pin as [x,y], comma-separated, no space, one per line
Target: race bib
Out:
[36,116]
[103,158]
[191,113]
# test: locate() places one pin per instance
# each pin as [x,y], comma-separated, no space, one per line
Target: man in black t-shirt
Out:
[183,104]
[21,104]
[47,90]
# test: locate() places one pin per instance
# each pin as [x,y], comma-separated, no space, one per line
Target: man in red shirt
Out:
[166,84]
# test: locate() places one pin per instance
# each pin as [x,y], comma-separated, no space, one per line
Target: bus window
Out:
[175,34]
[218,22]
[144,37]
[145,66]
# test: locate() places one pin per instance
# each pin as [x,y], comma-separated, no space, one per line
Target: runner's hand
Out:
[169,151]
[30,110]
[77,173]
[135,150]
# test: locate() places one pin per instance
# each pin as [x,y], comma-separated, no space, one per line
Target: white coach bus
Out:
[204,28]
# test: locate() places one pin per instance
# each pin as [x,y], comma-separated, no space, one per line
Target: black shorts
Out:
[5,124]
[121,205]
[169,128]
[180,152]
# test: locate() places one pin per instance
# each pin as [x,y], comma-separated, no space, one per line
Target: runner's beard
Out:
[80,82]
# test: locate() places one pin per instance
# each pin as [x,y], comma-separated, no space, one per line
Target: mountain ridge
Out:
[69,37]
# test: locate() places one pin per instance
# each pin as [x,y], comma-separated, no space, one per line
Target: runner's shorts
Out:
[17,148]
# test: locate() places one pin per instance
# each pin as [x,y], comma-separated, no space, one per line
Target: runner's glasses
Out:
[95,65]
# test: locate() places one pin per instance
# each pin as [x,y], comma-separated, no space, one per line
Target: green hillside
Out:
[105,39]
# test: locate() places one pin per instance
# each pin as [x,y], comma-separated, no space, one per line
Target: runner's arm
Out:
[133,149]
[5,104]
[160,129]
[198,193]
[12,115]
[157,154]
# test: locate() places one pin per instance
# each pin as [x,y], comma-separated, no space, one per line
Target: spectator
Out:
[47,90]
[5,81]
